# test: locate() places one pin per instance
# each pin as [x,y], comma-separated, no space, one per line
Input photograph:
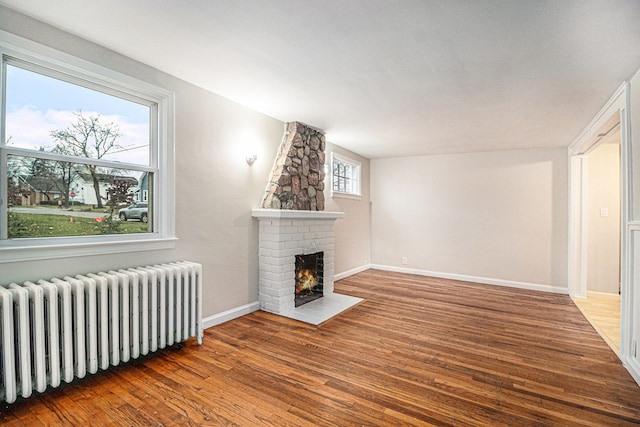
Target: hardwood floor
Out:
[603,312]
[418,351]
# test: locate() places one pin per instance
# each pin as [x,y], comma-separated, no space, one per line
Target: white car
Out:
[138,211]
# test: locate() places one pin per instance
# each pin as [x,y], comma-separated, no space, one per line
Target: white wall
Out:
[496,215]
[603,233]
[353,242]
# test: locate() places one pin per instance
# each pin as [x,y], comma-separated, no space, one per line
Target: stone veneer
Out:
[297,178]
[283,234]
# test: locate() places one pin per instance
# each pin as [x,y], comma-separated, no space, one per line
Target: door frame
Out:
[616,109]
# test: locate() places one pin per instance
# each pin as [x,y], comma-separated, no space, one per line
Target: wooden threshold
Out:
[418,351]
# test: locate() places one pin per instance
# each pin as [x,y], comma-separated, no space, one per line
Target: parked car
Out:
[135,211]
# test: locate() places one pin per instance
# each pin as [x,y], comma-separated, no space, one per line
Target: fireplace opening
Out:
[309,277]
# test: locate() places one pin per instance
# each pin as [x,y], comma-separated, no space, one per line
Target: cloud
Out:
[29,127]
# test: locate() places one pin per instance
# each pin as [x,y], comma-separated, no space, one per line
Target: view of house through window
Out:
[77,158]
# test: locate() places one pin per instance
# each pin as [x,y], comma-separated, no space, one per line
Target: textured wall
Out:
[495,215]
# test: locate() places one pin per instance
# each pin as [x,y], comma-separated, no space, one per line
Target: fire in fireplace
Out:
[309,274]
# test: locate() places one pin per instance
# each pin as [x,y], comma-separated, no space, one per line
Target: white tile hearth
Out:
[323,309]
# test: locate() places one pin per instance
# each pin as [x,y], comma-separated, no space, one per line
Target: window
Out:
[346,176]
[80,143]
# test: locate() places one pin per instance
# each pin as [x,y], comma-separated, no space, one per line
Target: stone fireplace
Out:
[297,178]
[296,236]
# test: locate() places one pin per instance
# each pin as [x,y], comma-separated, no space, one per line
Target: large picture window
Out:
[79,151]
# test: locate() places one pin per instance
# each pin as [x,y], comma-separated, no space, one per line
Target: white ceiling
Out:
[384,77]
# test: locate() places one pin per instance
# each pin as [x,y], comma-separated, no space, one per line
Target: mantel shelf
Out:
[295,214]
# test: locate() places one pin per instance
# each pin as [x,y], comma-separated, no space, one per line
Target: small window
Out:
[345,176]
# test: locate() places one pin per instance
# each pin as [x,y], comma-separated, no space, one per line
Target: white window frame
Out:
[162,165]
[356,193]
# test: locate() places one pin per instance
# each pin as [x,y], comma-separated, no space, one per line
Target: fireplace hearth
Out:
[287,241]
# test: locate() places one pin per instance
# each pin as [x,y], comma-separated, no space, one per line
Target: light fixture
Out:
[251,159]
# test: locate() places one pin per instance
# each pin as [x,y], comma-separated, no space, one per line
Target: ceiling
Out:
[384,78]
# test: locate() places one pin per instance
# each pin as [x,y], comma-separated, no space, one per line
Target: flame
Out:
[305,279]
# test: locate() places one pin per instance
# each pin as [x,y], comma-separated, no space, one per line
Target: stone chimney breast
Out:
[297,178]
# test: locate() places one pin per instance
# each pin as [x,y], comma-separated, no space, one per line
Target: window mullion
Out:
[47,155]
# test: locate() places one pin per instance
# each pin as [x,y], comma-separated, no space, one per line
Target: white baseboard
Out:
[476,279]
[351,272]
[231,314]
[602,295]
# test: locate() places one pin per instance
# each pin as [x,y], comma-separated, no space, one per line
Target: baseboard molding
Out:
[351,272]
[602,295]
[231,314]
[476,279]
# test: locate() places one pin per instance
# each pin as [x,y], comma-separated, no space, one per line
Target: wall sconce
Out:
[251,159]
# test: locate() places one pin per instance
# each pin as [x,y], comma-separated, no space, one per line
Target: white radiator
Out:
[56,330]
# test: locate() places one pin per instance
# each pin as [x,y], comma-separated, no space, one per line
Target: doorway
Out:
[602,192]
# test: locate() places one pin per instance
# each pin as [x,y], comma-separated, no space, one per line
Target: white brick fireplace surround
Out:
[283,235]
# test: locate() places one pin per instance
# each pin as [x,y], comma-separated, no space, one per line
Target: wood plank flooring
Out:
[418,351]
[603,312]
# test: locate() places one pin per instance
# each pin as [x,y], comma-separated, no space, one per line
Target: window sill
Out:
[62,250]
[340,195]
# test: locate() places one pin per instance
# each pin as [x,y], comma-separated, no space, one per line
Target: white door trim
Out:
[616,109]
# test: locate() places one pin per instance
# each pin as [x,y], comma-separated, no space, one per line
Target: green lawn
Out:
[22,225]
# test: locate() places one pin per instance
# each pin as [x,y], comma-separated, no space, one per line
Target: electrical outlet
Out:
[404,260]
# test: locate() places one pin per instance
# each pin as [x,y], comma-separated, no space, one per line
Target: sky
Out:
[38,104]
